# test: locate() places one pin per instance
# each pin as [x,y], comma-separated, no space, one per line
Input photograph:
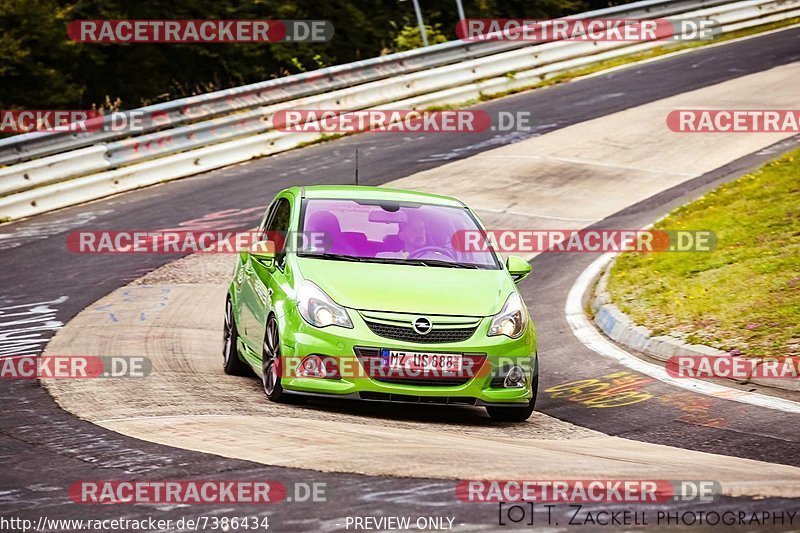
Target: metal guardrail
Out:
[203,107]
[203,144]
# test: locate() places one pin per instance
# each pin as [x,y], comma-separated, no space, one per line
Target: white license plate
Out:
[421,361]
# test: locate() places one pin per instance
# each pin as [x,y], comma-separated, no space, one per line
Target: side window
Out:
[278,228]
[262,227]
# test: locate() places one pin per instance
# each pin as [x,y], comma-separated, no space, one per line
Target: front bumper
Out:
[301,339]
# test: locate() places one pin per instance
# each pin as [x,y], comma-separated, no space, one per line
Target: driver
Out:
[413,235]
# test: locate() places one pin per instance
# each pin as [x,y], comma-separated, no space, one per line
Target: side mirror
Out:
[518,267]
[263,252]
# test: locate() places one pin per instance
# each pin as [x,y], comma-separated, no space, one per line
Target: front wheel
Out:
[516,414]
[230,353]
[271,363]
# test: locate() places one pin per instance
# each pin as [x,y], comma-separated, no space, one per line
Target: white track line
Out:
[585,331]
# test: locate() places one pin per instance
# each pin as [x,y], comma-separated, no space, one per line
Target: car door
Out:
[269,282]
[247,297]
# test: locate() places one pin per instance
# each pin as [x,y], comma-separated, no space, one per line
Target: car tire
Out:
[271,363]
[516,414]
[230,353]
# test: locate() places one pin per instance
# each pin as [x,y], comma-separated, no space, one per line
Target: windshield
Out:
[392,232]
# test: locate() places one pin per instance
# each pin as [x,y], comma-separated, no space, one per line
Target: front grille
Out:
[370,359]
[407,334]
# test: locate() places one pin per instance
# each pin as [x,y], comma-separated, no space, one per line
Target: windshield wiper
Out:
[450,264]
[390,260]
[418,262]
[327,255]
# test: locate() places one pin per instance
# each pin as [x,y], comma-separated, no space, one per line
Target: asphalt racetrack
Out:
[194,422]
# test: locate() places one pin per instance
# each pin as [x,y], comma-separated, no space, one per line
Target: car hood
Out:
[410,289]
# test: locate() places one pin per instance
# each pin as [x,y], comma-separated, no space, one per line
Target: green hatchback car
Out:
[381,295]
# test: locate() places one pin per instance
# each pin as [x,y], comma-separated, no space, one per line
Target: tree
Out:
[43,69]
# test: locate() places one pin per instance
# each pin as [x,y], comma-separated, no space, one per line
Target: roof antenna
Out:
[356,166]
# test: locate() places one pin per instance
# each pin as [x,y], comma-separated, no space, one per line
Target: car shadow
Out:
[397,411]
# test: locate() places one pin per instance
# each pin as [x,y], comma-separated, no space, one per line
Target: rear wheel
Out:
[516,414]
[230,353]
[271,363]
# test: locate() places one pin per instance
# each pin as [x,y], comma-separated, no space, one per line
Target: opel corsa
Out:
[381,295]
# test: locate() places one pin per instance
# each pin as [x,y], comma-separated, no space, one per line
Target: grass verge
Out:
[743,296]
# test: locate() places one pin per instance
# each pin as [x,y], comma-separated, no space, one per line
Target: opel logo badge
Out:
[422,325]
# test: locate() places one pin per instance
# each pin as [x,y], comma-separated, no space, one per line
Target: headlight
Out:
[511,319]
[318,309]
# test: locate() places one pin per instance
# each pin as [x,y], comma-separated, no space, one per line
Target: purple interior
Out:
[417,231]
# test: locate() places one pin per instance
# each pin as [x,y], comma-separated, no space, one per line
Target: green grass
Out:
[744,295]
